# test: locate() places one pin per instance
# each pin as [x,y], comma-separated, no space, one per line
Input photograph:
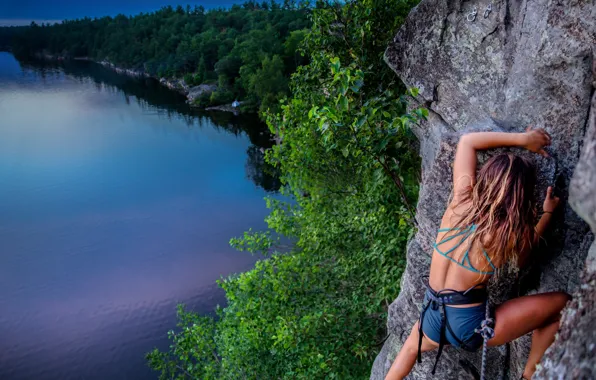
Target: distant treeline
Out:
[7,35]
[249,50]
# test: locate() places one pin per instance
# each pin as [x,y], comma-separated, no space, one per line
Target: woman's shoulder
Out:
[454,214]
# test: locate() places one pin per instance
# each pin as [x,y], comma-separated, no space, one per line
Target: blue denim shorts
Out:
[462,320]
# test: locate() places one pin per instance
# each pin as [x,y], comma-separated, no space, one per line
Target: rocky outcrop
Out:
[233,108]
[572,355]
[197,91]
[172,83]
[178,85]
[123,71]
[525,63]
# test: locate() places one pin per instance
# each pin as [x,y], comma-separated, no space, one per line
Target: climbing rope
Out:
[487,332]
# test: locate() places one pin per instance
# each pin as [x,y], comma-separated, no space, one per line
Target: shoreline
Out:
[178,85]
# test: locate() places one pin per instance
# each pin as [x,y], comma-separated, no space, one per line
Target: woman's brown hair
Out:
[501,206]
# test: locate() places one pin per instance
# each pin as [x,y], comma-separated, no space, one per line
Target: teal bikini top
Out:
[465,263]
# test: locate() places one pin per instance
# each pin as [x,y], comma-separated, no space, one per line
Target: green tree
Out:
[269,83]
[292,52]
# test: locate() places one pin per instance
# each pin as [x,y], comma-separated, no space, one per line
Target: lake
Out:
[117,201]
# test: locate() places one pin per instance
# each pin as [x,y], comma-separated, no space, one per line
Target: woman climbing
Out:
[488,224]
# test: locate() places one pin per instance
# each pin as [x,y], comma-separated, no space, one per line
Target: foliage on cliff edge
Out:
[350,167]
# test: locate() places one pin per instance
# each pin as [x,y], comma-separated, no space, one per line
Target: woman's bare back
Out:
[446,273]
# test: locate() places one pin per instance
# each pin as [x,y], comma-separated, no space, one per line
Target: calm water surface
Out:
[116,203]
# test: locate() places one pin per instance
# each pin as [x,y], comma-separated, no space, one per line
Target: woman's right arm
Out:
[464,165]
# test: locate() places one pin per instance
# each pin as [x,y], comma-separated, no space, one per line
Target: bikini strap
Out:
[465,233]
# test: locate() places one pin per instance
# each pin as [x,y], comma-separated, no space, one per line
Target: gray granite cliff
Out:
[525,63]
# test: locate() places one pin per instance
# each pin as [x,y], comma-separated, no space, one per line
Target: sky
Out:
[22,12]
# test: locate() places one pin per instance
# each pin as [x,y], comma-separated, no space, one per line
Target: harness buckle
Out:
[438,302]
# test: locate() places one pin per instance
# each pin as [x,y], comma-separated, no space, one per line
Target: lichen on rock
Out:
[526,63]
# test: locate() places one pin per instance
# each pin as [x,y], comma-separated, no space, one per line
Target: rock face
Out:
[178,85]
[197,91]
[572,355]
[525,63]
[122,71]
[227,108]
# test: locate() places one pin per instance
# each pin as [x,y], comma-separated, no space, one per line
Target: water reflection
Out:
[117,201]
[152,97]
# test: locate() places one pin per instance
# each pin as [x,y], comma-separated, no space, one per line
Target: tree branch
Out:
[388,171]
[185,372]
[399,185]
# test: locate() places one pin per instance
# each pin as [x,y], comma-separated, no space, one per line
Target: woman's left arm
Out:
[551,202]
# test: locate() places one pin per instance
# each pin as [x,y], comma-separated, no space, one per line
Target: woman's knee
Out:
[559,301]
[411,348]
[561,298]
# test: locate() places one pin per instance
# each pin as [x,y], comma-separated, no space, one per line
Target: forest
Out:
[350,171]
[248,50]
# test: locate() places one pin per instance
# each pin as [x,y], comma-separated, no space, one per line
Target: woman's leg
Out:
[539,313]
[542,338]
[406,358]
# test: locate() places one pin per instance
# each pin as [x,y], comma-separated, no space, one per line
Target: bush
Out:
[192,79]
[220,97]
[203,101]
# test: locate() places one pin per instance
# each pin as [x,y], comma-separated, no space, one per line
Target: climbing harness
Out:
[438,301]
[488,9]
[472,15]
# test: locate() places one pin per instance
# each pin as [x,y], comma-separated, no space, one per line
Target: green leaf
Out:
[381,145]
[335,65]
[345,151]
[413,91]
[343,103]
[361,120]
[357,85]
